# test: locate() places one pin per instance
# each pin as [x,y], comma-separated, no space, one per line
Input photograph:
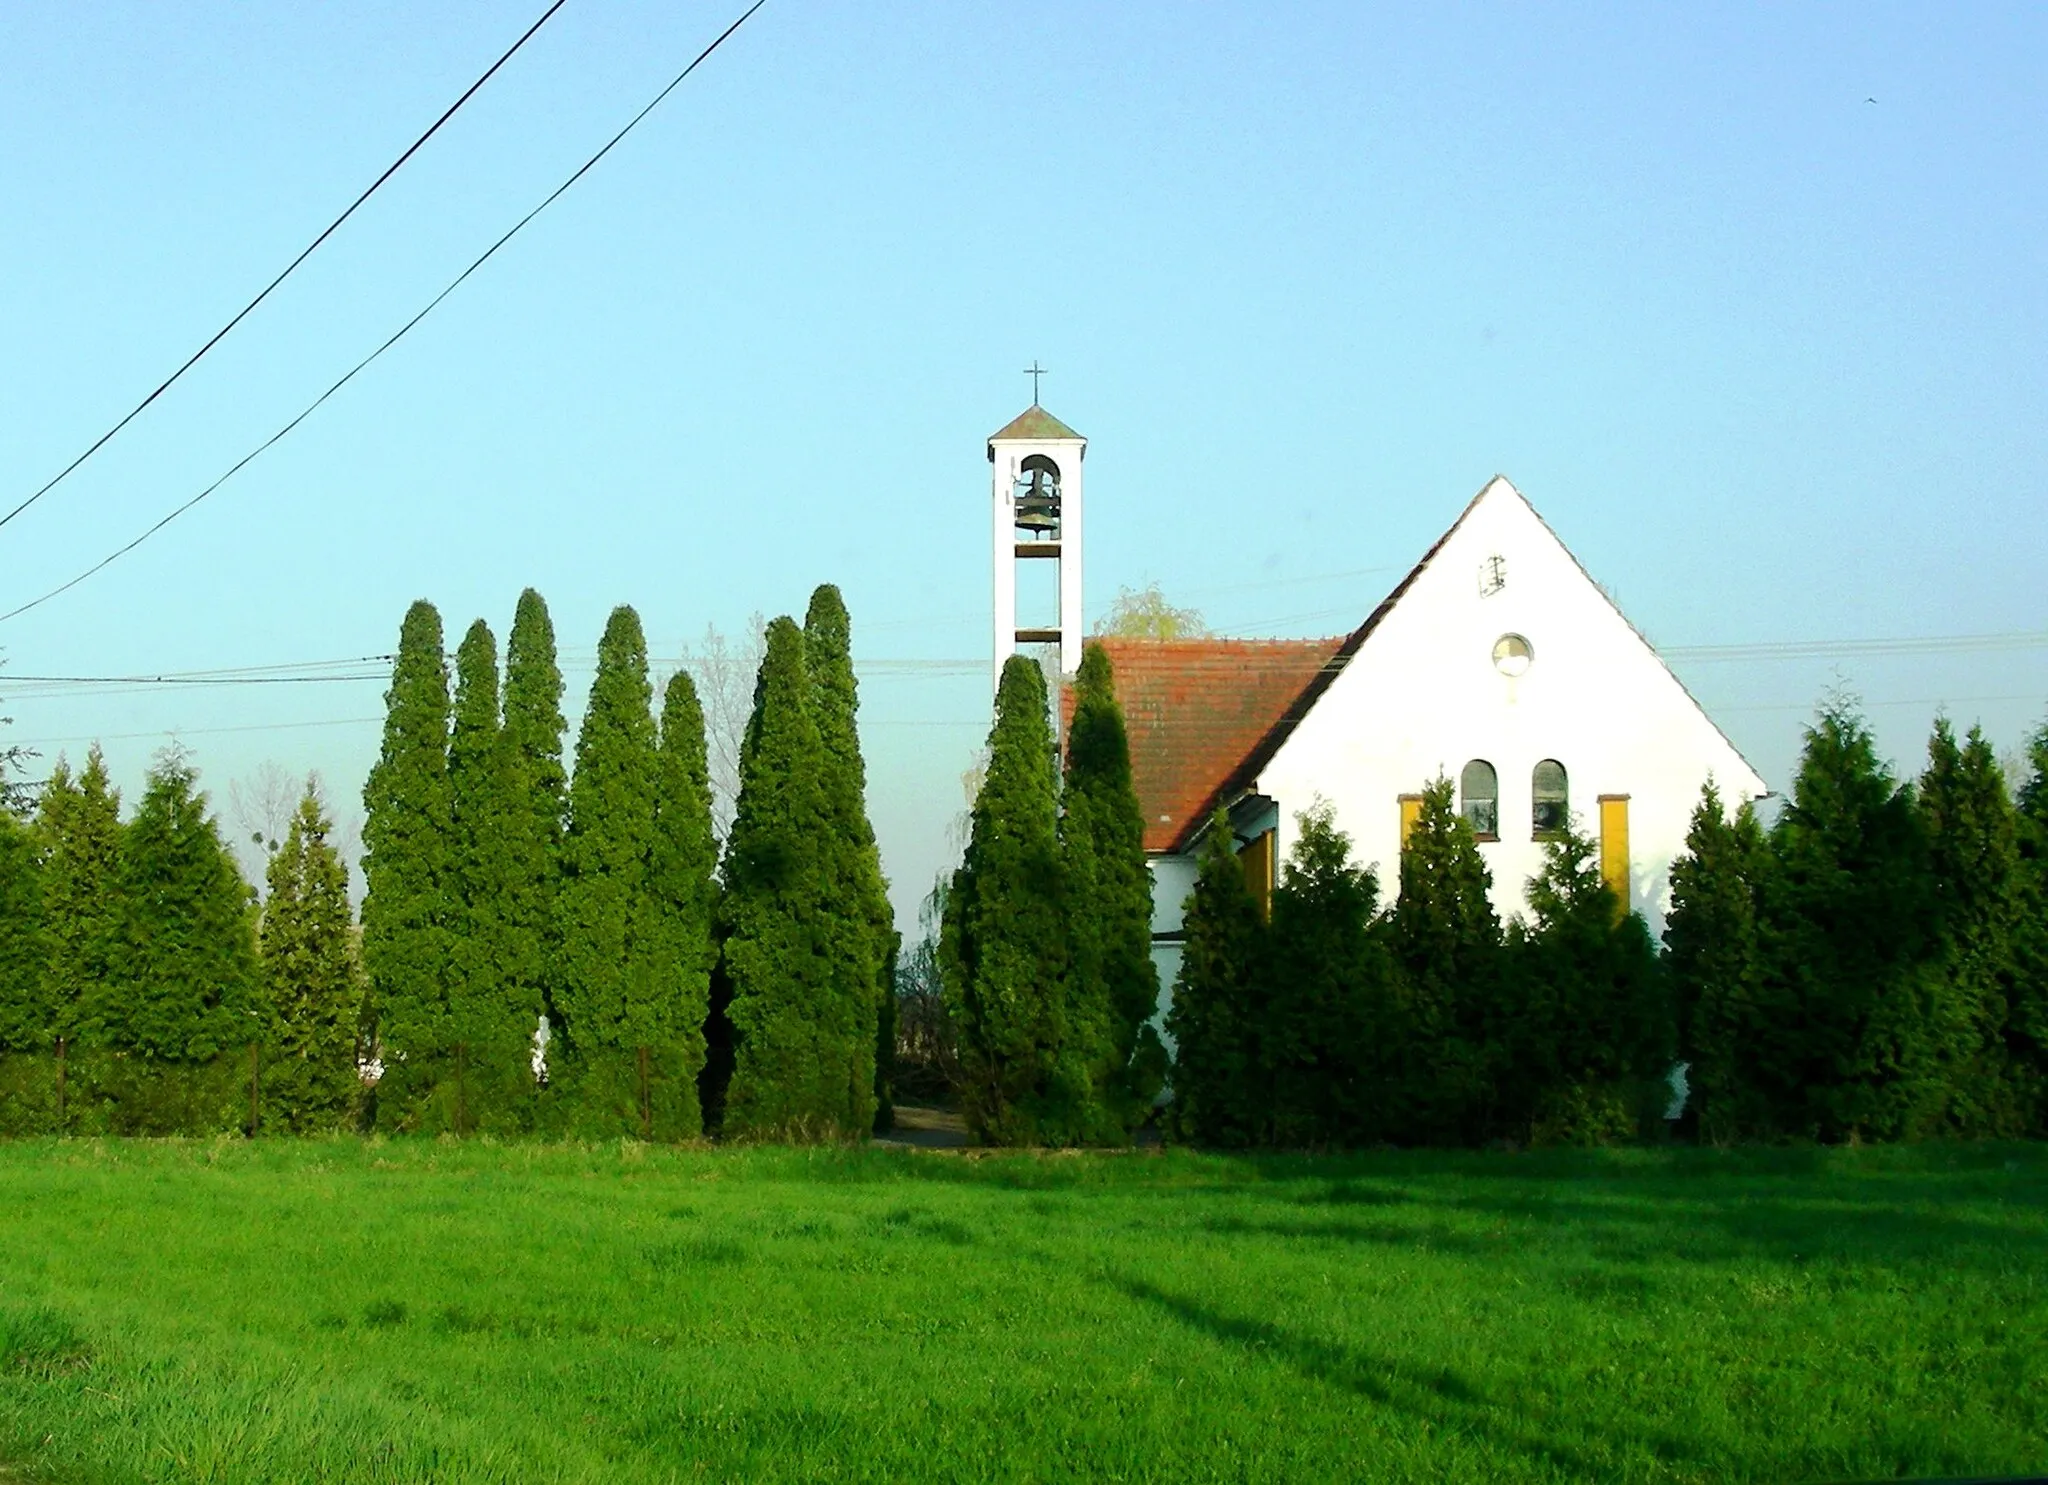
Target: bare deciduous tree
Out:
[927,1049]
[724,669]
[261,805]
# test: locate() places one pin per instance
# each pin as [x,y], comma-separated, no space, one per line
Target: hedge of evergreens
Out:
[536,951]
[1872,967]
[566,952]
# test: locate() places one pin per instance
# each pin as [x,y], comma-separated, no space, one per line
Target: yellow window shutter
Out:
[1614,846]
[1411,811]
[1257,859]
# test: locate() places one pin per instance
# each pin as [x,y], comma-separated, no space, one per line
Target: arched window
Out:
[1479,799]
[1550,808]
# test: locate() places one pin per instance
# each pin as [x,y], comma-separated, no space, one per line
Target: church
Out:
[1497,662]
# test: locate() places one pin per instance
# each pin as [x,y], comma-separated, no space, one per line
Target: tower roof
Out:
[1034,423]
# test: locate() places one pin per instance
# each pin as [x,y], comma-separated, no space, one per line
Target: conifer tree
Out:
[1586,1027]
[1973,846]
[26,1021]
[860,896]
[681,900]
[1113,986]
[410,903]
[79,824]
[185,983]
[1003,942]
[1713,937]
[795,1055]
[605,978]
[28,1073]
[1332,1025]
[493,1000]
[1220,1091]
[533,730]
[2026,1021]
[312,979]
[1446,940]
[1853,945]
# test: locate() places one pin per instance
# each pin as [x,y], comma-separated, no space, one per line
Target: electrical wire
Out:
[577,660]
[1807,706]
[152,682]
[177,732]
[955,723]
[242,314]
[398,335]
[1848,648]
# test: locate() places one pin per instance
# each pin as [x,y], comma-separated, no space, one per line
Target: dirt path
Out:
[926,1129]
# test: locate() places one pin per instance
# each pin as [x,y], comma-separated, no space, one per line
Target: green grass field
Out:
[367,1311]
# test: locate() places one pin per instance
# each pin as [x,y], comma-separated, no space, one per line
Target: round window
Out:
[1511,655]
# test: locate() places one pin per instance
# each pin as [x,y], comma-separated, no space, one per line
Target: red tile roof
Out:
[1199,711]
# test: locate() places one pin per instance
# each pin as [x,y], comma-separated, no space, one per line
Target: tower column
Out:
[1035,516]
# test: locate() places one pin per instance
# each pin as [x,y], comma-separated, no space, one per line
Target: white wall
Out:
[1422,696]
[1173,878]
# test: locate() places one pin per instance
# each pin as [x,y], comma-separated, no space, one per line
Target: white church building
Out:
[1497,662]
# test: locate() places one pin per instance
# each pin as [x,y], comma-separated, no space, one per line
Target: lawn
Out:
[396,1311]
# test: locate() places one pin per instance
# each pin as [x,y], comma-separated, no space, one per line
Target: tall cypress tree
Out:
[312,979]
[605,979]
[409,902]
[26,1021]
[185,984]
[2026,1017]
[793,1053]
[28,1075]
[1113,986]
[79,823]
[1854,944]
[1973,845]
[1586,1027]
[865,933]
[1220,1088]
[681,900]
[1447,942]
[1713,937]
[1332,1025]
[533,730]
[1003,944]
[493,1002]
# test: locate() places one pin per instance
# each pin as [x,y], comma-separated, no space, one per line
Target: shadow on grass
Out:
[1879,1205]
[1435,1396]
[1418,1235]
[1866,1226]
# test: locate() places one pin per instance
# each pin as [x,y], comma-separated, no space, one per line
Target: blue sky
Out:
[1766,354]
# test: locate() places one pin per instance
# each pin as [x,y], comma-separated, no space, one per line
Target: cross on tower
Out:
[1034,371]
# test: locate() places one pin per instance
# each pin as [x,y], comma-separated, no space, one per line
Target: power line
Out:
[154,681]
[921,722]
[1808,649]
[1807,706]
[398,335]
[581,659]
[175,732]
[218,335]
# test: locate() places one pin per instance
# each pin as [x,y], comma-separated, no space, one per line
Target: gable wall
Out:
[1422,696]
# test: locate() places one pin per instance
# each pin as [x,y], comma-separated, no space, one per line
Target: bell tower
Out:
[1035,489]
